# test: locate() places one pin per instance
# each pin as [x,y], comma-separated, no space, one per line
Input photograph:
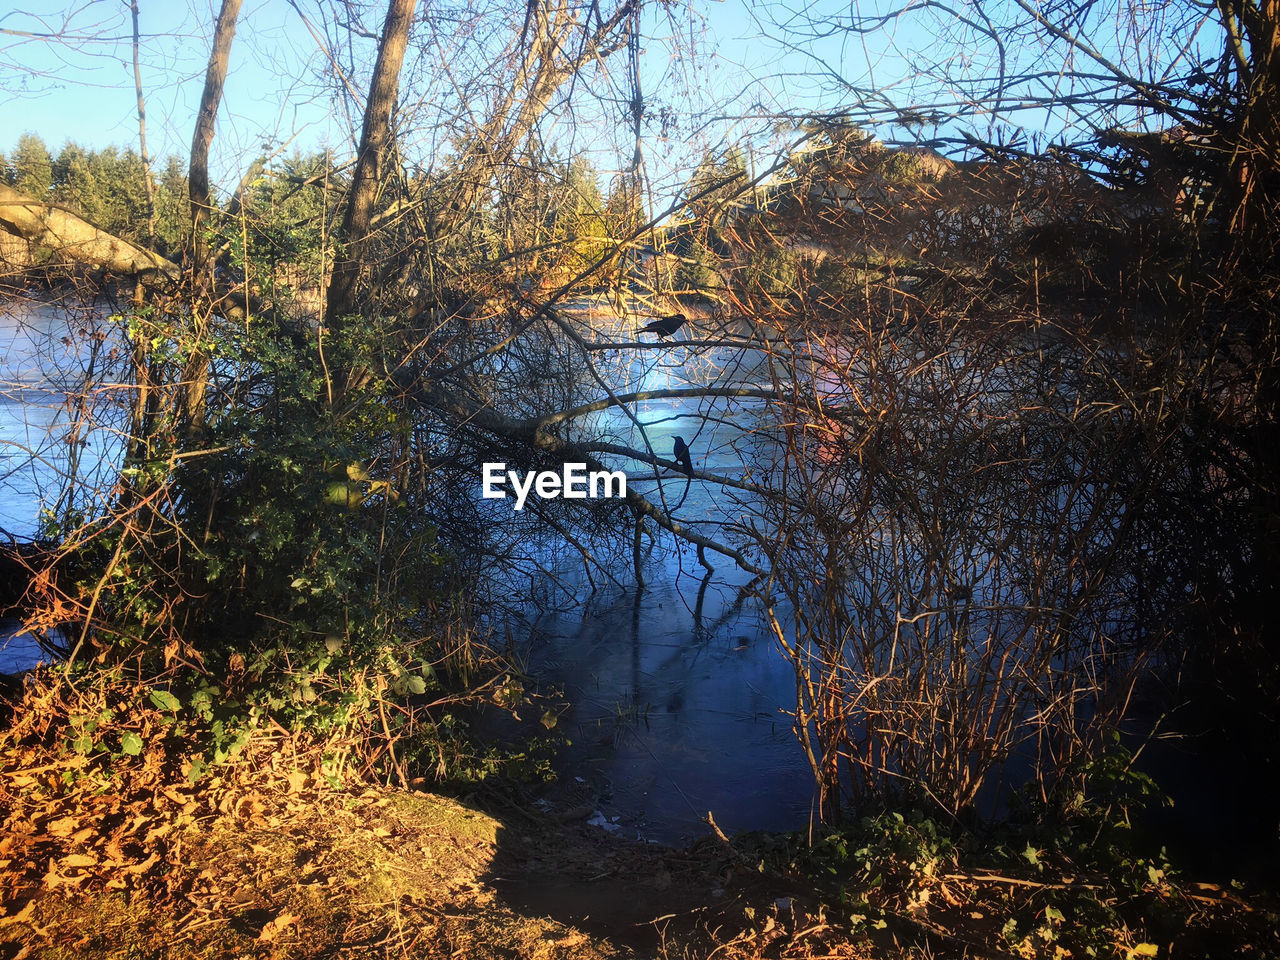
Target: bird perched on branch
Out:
[665,326]
[682,456]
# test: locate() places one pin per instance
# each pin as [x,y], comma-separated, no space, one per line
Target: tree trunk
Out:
[148,180]
[1254,266]
[374,137]
[198,176]
[196,374]
[1258,153]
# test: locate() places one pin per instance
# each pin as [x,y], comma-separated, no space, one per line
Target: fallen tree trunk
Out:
[65,233]
[68,235]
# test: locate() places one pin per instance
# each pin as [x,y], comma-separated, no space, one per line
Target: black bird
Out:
[682,456]
[665,326]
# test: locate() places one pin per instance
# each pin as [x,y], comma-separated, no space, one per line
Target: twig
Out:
[710,820]
[997,878]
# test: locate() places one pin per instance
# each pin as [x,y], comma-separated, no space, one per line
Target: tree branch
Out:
[60,230]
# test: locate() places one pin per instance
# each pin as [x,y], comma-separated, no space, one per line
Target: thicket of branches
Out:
[1018,410]
[294,395]
[1033,455]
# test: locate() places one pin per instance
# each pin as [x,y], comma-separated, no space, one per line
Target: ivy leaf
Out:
[202,703]
[131,744]
[164,700]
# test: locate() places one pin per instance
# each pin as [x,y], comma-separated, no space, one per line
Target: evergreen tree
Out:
[699,269]
[173,207]
[624,210]
[624,216]
[287,216]
[32,167]
[715,184]
[74,184]
[581,215]
[122,192]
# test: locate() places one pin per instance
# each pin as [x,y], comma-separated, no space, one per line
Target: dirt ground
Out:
[282,868]
[141,853]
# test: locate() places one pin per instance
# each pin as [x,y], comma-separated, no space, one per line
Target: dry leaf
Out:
[138,821]
[277,926]
[63,827]
[144,866]
[22,915]
[53,879]
[115,852]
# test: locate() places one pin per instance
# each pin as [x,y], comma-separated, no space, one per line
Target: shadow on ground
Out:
[635,894]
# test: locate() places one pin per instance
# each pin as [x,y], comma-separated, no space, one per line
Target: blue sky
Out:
[83,90]
[80,87]
[721,65]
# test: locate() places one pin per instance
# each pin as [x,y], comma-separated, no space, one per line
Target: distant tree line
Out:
[554,212]
[106,187]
